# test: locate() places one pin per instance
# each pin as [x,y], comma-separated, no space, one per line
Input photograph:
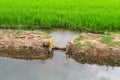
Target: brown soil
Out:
[27,45]
[96,51]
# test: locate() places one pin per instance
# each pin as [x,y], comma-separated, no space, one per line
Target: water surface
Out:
[56,68]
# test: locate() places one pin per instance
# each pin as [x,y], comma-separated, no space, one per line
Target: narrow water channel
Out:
[56,67]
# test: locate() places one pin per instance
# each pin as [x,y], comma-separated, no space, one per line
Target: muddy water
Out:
[57,67]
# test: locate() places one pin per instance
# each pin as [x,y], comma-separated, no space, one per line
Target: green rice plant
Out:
[90,15]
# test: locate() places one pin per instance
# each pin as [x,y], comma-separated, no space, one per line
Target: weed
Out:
[107,40]
[18,32]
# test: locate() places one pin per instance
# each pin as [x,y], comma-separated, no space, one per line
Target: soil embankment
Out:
[95,49]
[24,45]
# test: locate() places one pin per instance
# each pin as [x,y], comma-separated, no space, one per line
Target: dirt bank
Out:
[95,49]
[24,44]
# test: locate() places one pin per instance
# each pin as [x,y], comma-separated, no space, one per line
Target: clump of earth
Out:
[24,44]
[96,49]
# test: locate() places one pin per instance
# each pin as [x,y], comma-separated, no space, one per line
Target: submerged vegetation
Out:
[91,15]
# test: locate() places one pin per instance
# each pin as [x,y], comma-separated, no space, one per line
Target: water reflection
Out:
[43,57]
[57,68]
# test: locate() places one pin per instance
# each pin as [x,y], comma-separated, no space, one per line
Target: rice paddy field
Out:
[91,15]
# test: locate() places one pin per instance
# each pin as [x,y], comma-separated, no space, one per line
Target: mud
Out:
[26,45]
[89,48]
